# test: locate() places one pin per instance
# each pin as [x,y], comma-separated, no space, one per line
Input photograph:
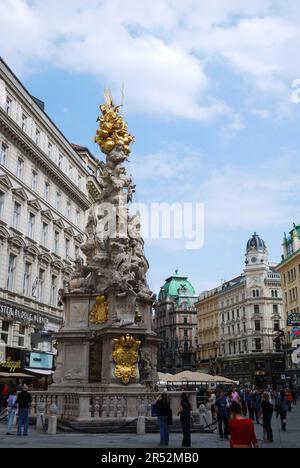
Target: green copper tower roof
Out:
[177,285]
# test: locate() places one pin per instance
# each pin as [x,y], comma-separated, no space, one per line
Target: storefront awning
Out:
[15,375]
[39,371]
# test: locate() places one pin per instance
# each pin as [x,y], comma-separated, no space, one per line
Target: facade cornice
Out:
[29,104]
[39,157]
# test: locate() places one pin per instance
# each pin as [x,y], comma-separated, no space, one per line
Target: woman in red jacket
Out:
[242,434]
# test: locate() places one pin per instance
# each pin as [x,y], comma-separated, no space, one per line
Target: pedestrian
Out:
[11,410]
[249,403]
[256,404]
[163,410]
[234,396]
[267,413]
[289,398]
[243,402]
[294,396]
[242,433]
[212,401]
[222,405]
[283,409]
[24,402]
[185,419]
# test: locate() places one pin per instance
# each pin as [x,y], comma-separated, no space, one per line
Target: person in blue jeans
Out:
[11,410]
[23,402]
[163,410]
[222,407]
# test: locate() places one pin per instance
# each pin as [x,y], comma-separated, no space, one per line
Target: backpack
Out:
[12,402]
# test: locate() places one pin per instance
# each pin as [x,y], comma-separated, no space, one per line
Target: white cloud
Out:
[159,49]
[257,195]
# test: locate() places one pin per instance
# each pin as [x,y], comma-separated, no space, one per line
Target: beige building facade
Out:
[289,269]
[208,329]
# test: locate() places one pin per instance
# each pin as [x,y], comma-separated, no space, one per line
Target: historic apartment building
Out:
[250,319]
[208,329]
[175,322]
[289,269]
[43,203]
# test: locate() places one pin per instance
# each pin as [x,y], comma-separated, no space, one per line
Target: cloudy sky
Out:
[208,95]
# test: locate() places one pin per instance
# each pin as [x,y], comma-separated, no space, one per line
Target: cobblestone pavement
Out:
[290,439]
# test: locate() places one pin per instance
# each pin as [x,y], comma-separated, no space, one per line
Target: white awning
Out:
[15,375]
[39,371]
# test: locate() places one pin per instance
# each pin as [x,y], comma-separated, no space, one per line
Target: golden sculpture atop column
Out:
[126,356]
[113,131]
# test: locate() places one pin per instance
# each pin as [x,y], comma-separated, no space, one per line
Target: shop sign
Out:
[39,360]
[21,315]
[293,319]
[295,332]
[296,356]
[10,360]
[10,366]
[260,373]
[296,344]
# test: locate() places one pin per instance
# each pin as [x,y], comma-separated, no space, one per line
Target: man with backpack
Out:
[24,402]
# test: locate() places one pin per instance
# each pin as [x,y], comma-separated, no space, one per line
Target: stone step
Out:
[119,426]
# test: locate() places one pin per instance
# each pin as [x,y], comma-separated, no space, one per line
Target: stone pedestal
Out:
[85,350]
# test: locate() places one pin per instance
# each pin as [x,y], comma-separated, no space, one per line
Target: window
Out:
[258,344]
[276,325]
[20,166]
[11,271]
[34,180]
[238,313]
[233,315]
[24,122]
[77,218]
[79,181]
[228,315]
[37,136]
[257,325]
[46,191]
[31,223]
[57,201]
[239,328]
[185,321]
[275,308]
[244,327]
[21,340]
[45,234]
[27,279]
[3,154]
[256,309]
[50,149]
[185,332]
[2,201]
[76,251]
[41,285]
[71,171]
[67,246]
[8,105]
[68,209]
[53,291]
[60,161]
[16,215]
[5,331]
[223,318]
[56,241]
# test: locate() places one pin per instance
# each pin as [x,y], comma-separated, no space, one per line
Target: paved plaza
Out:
[290,439]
